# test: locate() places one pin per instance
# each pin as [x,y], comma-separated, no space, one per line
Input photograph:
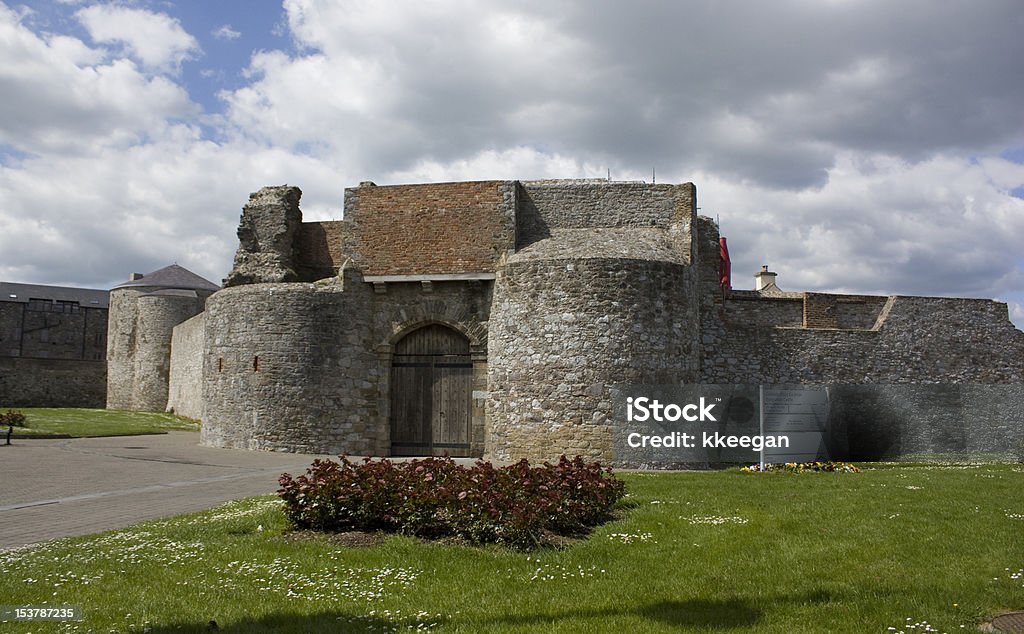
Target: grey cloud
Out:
[821,132]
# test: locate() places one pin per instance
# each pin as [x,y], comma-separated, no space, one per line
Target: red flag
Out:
[725,266]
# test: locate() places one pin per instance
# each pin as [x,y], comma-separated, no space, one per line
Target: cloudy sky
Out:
[854,146]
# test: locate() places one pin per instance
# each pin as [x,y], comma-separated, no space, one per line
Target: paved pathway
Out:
[61,488]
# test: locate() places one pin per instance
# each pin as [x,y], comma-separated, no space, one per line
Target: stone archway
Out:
[431,393]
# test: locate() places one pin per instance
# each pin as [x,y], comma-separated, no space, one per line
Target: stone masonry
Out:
[53,343]
[558,290]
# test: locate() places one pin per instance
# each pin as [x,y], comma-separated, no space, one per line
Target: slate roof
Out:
[172,276]
[86,297]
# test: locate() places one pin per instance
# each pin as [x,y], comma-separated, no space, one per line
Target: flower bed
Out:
[435,497]
[803,467]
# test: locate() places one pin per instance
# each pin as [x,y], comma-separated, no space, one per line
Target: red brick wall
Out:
[432,228]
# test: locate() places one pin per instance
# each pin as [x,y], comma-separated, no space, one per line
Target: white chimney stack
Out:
[764,278]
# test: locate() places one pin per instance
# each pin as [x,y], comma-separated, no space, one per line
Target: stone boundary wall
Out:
[80,335]
[765,312]
[859,312]
[547,206]
[439,228]
[921,340]
[27,382]
[11,317]
[849,312]
[185,380]
[820,311]
[751,339]
[894,422]
[50,359]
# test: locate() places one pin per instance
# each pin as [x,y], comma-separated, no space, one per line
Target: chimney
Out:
[764,278]
[135,276]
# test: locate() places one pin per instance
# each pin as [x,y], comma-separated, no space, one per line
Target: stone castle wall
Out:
[32,382]
[596,284]
[121,336]
[52,359]
[291,367]
[185,380]
[157,316]
[599,293]
[80,335]
[808,338]
[320,249]
[306,367]
[545,206]
[563,332]
[266,233]
[142,321]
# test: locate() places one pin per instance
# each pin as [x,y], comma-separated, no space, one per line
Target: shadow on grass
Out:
[302,623]
[699,613]
[729,613]
[733,613]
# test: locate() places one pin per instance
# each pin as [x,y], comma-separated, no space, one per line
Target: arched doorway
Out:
[431,393]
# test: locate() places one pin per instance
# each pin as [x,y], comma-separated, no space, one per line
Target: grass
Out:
[908,548]
[83,423]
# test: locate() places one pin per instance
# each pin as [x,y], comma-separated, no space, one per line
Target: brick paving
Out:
[62,488]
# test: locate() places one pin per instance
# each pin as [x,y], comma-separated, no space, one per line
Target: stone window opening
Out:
[220,364]
[256,363]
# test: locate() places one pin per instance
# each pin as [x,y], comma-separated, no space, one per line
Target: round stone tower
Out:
[143,313]
[573,315]
[290,367]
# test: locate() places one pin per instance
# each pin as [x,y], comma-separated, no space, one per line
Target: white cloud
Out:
[513,164]
[225,32]
[450,79]
[1017,314]
[176,198]
[62,96]
[879,224]
[850,147]
[156,40]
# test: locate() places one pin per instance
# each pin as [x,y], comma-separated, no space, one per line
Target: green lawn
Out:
[696,552]
[97,422]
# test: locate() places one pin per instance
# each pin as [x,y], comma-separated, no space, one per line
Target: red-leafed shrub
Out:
[12,418]
[435,497]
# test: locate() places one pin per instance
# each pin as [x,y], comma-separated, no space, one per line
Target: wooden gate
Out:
[431,393]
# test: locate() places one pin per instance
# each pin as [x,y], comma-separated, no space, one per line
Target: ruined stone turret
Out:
[266,233]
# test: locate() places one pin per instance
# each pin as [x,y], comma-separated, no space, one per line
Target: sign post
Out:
[760,415]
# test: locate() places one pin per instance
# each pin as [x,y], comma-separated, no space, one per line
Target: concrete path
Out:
[62,488]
